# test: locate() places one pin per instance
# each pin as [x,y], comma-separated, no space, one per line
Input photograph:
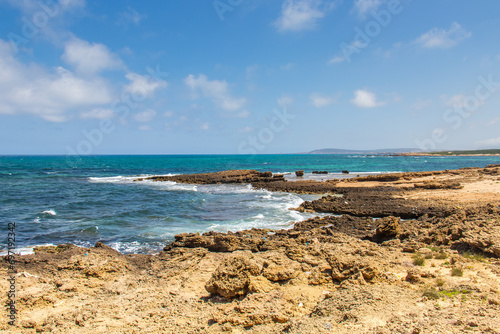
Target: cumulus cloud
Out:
[362,7]
[49,94]
[365,99]
[216,90]
[141,85]
[89,58]
[442,38]
[298,15]
[145,116]
[319,100]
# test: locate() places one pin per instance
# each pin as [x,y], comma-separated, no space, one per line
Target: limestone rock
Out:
[232,277]
[388,228]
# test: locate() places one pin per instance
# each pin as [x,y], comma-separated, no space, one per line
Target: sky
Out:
[88,77]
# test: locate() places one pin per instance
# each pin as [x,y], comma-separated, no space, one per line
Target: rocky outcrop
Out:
[388,228]
[231,176]
[232,278]
[439,185]
[375,202]
[299,173]
[300,187]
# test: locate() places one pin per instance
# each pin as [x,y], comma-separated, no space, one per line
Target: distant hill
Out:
[380,151]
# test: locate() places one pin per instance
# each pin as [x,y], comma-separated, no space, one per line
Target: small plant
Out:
[457,272]
[441,255]
[447,263]
[474,256]
[440,282]
[428,256]
[434,249]
[418,260]
[431,294]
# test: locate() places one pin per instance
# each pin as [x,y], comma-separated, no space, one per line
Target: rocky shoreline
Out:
[397,253]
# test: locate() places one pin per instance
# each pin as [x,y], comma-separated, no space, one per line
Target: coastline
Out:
[355,270]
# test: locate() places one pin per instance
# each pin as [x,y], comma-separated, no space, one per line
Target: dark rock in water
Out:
[374,202]
[301,187]
[345,172]
[299,173]
[320,172]
[230,176]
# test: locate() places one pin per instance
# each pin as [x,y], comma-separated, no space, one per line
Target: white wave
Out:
[134,247]
[228,189]
[49,212]
[113,179]
[259,216]
[172,186]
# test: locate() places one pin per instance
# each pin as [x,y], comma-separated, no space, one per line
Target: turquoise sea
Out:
[59,199]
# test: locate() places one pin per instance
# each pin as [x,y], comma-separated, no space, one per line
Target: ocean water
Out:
[55,200]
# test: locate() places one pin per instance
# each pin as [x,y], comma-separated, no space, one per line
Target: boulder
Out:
[388,228]
[233,277]
[299,173]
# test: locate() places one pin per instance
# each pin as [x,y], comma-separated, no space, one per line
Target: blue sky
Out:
[247,76]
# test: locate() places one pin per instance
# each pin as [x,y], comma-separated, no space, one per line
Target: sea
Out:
[82,200]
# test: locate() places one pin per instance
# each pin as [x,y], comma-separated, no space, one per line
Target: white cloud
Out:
[421,104]
[285,101]
[287,67]
[143,85]
[216,90]
[89,58]
[319,100]
[459,101]
[362,7]
[297,15]
[145,116]
[336,60]
[131,16]
[493,142]
[145,128]
[98,113]
[168,114]
[444,39]
[493,121]
[365,99]
[56,7]
[49,94]
[205,126]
